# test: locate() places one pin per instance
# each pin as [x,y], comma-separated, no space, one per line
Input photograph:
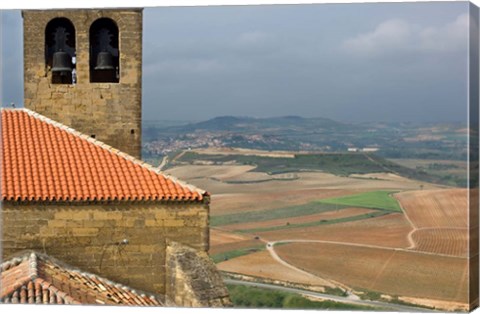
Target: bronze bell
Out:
[104,61]
[62,62]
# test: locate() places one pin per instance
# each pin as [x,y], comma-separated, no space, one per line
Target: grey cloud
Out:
[12,61]
[398,36]
[303,59]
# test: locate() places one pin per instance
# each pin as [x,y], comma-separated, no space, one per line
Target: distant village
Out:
[218,139]
[363,149]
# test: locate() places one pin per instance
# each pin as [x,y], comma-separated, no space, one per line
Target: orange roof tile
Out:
[34,278]
[43,160]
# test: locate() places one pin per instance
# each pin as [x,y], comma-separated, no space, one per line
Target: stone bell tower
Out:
[83,68]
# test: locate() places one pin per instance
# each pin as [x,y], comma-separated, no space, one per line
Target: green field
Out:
[376,200]
[379,200]
[316,223]
[252,297]
[284,212]
[224,256]
[340,164]
[336,163]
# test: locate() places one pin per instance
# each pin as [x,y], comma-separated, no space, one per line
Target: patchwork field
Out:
[205,177]
[376,232]
[232,203]
[386,270]
[284,222]
[266,215]
[389,231]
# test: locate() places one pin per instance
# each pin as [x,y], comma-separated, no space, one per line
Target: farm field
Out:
[261,264]
[436,208]
[326,216]
[383,270]
[453,171]
[305,180]
[336,163]
[219,237]
[439,218]
[233,246]
[442,240]
[374,199]
[451,166]
[232,203]
[368,230]
[390,231]
[273,214]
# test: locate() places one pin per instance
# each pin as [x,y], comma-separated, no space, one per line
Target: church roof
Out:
[34,278]
[43,160]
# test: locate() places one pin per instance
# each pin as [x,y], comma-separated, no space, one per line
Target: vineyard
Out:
[439,218]
[380,234]
[436,208]
[383,270]
[443,241]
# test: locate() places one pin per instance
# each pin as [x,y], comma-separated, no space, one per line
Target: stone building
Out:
[79,196]
[101,93]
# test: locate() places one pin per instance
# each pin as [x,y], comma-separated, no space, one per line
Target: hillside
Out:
[252,125]
[294,133]
[341,164]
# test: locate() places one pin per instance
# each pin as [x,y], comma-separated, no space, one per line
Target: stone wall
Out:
[91,237]
[192,279]
[109,111]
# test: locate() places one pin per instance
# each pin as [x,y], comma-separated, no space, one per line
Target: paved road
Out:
[383,305]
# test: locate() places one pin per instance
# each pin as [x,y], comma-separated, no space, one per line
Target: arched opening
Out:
[60,50]
[104,52]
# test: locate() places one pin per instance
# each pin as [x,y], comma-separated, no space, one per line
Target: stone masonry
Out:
[91,236]
[109,111]
[192,279]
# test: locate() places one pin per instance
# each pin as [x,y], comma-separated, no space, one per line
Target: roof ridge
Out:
[108,148]
[33,265]
[15,261]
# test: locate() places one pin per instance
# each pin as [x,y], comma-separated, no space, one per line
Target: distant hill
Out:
[295,133]
[251,125]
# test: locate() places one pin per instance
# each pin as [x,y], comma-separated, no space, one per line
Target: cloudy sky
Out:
[349,62]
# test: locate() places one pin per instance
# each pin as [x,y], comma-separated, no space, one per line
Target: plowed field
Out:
[440,218]
[262,265]
[383,270]
[390,231]
[219,237]
[341,213]
[443,241]
[436,208]
[263,199]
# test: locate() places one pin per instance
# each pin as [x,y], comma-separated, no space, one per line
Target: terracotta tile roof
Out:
[34,278]
[43,160]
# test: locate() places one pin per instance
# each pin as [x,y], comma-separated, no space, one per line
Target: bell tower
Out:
[83,68]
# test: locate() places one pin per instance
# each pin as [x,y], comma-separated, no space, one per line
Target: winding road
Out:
[351,297]
[381,305]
